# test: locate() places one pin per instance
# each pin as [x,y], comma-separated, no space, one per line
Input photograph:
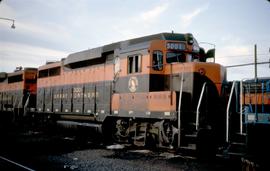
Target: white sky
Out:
[49,30]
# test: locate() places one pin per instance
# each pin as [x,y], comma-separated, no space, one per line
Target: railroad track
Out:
[7,164]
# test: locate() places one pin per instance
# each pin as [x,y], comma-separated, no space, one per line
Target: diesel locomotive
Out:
[17,93]
[157,90]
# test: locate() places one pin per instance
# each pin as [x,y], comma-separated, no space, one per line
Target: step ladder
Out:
[238,145]
[189,140]
[190,135]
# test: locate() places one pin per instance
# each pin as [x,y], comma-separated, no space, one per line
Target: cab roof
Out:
[97,52]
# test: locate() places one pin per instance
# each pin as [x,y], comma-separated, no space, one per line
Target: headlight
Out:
[195,48]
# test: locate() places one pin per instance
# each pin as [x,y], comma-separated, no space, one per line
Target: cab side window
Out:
[157,60]
[134,64]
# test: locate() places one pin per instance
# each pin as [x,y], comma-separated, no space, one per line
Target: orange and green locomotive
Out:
[157,90]
[18,93]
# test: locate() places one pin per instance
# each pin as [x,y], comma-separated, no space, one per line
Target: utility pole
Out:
[255,62]
[256,80]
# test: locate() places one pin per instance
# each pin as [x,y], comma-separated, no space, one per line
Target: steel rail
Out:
[15,163]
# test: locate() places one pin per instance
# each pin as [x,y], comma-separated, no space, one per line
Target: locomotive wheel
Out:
[115,131]
[166,133]
[121,130]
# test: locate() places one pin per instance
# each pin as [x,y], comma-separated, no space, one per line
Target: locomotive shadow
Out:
[20,141]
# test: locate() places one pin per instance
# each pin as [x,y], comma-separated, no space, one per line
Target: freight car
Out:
[256,100]
[156,90]
[249,120]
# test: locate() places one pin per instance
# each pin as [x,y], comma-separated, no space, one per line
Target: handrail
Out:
[199,105]
[25,105]
[227,112]
[14,106]
[179,108]
[241,107]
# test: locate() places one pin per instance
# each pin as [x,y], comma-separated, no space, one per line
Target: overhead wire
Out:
[247,64]
[246,55]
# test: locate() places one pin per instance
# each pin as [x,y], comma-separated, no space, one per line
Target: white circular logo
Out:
[133,84]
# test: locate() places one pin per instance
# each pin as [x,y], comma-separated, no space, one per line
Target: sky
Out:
[48,30]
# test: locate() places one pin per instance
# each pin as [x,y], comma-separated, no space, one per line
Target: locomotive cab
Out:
[179,67]
[172,59]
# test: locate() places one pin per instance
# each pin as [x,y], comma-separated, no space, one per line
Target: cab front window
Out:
[175,57]
[157,60]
